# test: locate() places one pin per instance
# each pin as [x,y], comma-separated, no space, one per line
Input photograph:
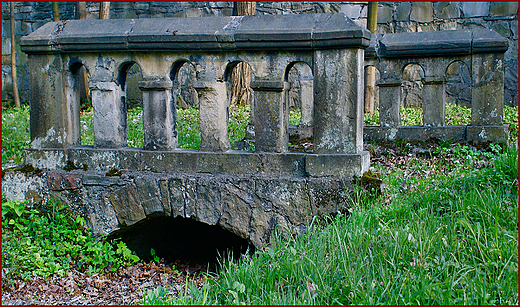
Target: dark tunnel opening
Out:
[181,240]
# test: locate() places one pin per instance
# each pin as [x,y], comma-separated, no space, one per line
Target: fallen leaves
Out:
[126,286]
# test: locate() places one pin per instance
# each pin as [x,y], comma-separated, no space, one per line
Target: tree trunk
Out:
[82,14]
[55,11]
[241,74]
[370,87]
[82,10]
[104,10]
[13,59]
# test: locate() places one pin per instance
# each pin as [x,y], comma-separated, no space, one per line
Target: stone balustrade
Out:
[479,51]
[330,45]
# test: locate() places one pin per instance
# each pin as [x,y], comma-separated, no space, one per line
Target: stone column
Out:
[54,118]
[487,95]
[338,101]
[213,115]
[108,102]
[307,101]
[389,102]
[434,101]
[159,115]
[271,115]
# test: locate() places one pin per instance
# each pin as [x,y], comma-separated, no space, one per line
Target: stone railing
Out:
[441,55]
[330,44]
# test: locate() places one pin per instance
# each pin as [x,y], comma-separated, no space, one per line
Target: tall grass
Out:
[447,239]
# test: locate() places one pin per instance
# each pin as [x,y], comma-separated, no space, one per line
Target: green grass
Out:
[448,238]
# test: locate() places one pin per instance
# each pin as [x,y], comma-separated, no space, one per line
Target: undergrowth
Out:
[53,240]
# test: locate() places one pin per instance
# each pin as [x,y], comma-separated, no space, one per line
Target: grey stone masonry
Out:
[481,50]
[252,190]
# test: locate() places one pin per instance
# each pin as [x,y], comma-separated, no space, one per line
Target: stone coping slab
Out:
[436,43]
[293,32]
[192,161]
[473,134]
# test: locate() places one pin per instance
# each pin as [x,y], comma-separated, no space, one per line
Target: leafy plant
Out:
[52,241]
[15,133]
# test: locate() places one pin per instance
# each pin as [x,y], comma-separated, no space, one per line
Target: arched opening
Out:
[458,94]
[183,76]
[240,113]
[371,114]
[131,98]
[300,100]
[183,240]
[81,124]
[411,95]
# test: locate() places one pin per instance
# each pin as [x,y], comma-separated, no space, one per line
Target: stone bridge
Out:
[247,193]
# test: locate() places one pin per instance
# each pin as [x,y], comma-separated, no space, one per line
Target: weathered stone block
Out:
[384,14]
[213,103]
[422,12]
[503,8]
[127,205]
[60,181]
[342,166]
[329,195]
[475,9]
[487,134]
[149,195]
[209,205]
[271,115]
[338,96]
[54,121]
[159,115]
[488,89]
[403,11]
[109,117]
[434,100]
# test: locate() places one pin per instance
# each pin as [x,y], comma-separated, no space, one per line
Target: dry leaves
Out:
[126,286]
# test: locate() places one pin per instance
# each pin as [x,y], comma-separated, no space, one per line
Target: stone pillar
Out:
[307,101]
[108,102]
[338,101]
[213,115]
[159,115]
[487,96]
[434,101]
[389,102]
[54,118]
[271,115]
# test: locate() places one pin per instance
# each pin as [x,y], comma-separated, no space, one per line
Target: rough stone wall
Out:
[393,17]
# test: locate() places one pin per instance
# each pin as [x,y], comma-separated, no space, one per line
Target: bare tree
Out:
[56,11]
[241,74]
[13,58]
[85,91]
[104,10]
[371,70]
[82,10]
